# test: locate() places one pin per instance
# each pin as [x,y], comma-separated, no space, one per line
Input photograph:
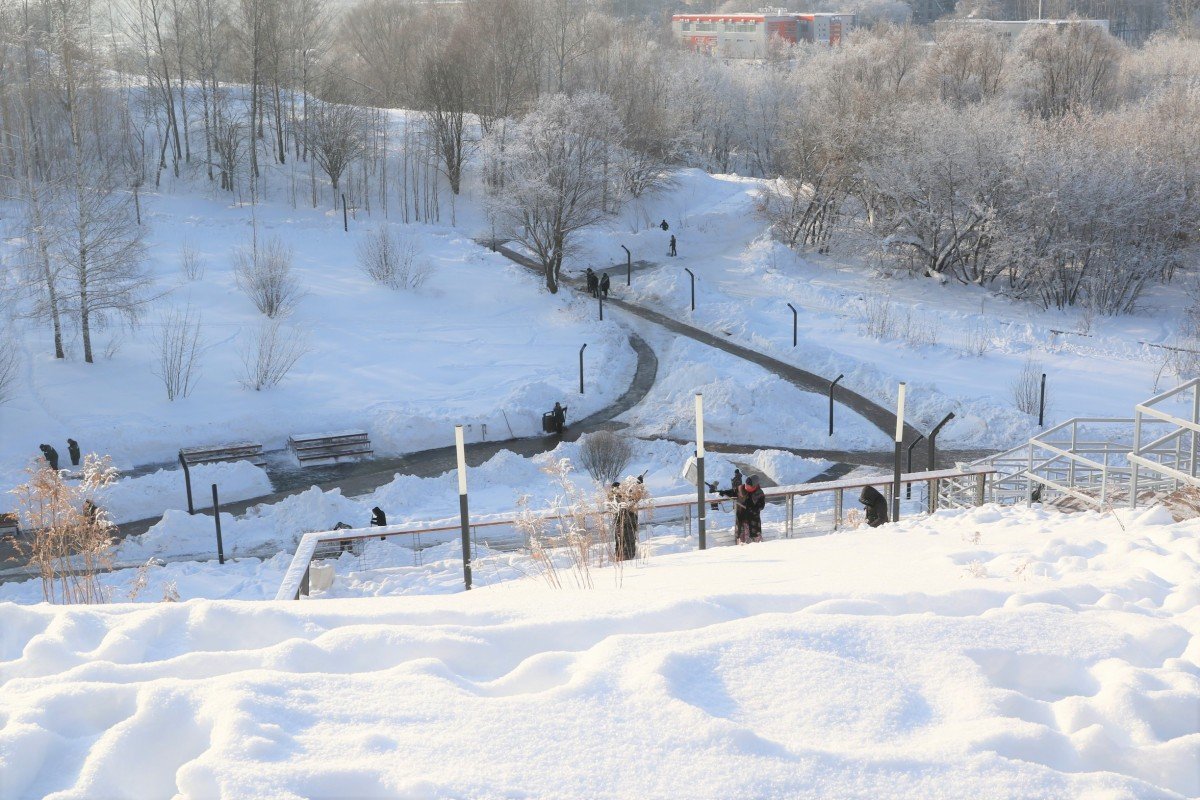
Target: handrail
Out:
[295,576]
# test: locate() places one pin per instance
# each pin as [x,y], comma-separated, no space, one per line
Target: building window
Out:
[687,26]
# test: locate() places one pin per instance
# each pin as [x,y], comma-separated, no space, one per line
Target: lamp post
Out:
[463,512]
[217,520]
[1042,403]
[581,367]
[832,384]
[693,275]
[794,318]
[908,486]
[628,266]
[899,443]
[933,440]
[700,504]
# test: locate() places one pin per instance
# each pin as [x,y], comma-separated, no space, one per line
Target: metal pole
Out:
[628,266]
[933,441]
[581,367]
[689,272]
[345,218]
[600,297]
[1195,421]
[1133,465]
[700,504]
[794,318]
[1042,403]
[464,513]
[908,489]
[832,384]
[187,481]
[899,444]
[217,518]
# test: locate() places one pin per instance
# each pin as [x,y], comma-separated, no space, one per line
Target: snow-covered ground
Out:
[985,653]
[744,281]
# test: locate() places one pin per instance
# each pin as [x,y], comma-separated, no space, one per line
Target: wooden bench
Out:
[330,448]
[10,525]
[234,451]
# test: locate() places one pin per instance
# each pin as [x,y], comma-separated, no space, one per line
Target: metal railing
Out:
[1171,457]
[805,509]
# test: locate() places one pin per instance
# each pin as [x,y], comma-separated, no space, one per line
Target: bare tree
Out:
[1026,389]
[336,135]
[270,353]
[265,275]
[9,364]
[605,455]
[444,93]
[189,261]
[178,349]
[555,183]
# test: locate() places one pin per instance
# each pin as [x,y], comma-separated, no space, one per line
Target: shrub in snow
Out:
[71,540]
[1026,389]
[392,260]
[189,262]
[270,354]
[177,346]
[605,455]
[8,365]
[265,275]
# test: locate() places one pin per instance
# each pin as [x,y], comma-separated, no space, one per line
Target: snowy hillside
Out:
[989,653]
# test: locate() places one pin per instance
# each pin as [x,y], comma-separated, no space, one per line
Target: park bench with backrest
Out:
[331,447]
[233,451]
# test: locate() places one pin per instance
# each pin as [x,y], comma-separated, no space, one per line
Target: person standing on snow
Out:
[51,456]
[625,523]
[73,452]
[876,506]
[604,284]
[750,503]
[672,252]
[592,283]
[735,483]
[560,418]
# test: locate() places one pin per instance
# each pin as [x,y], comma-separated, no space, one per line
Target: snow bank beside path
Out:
[981,654]
[147,496]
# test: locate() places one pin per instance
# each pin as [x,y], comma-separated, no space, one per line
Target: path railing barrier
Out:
[806,509]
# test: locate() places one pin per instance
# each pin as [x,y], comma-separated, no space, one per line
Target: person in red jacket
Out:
[750,503]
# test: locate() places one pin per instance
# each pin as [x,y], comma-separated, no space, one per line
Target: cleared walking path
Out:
[877,415]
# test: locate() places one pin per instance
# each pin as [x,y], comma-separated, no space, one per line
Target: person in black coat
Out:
[736,482]
[51,456]
[750,503]
[672,250]
[73,452]
[604,284]
[664,225]
[592,283]
[875,504]
[378,518]
[625,524]
[560,418]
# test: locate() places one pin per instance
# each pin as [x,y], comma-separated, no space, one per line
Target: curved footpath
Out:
[877,415]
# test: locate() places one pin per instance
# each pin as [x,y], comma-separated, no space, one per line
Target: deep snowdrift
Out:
[980,654]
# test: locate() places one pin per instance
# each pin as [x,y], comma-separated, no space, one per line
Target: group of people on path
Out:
[597,287]
[51,455]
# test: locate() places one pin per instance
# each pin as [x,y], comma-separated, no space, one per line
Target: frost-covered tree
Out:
[555,183]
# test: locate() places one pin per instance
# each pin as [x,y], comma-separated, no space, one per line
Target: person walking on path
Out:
[592,283]
[73,452]
[560,418]
[876,506]
[604,284]
[51,456]
[672,252]
[750,502]
[664,225]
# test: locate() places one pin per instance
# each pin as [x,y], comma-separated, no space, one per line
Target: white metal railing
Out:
[823,504]
[1171,457]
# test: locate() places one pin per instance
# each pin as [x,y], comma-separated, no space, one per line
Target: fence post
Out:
[187,481]
[1133,465]
[899,444]
[932,501]
[838,499]
[700,507]
[217,518]
[304,587]
[980,488]
[1195,421]
[464,514]
[1074,447]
